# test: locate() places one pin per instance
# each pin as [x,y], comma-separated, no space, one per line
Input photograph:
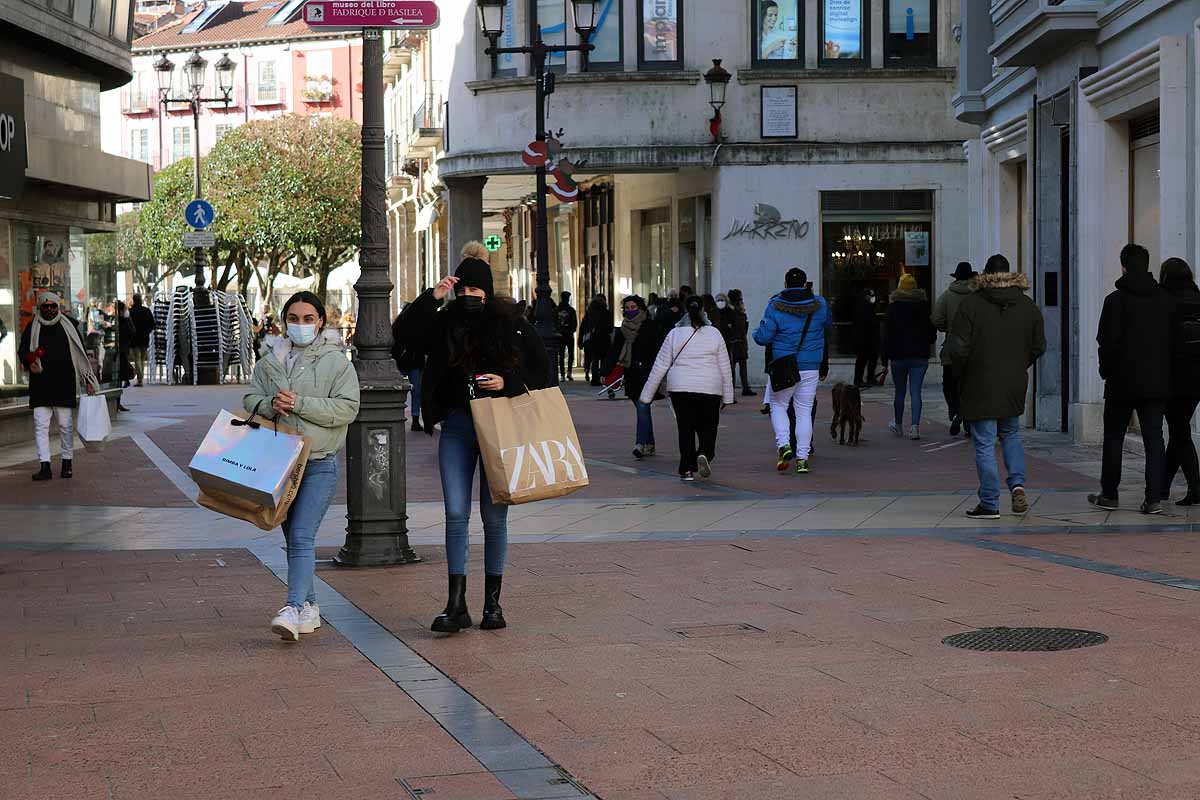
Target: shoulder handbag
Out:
[659,395]
[785,371]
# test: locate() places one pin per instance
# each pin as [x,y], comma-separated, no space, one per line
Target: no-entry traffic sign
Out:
[353,14]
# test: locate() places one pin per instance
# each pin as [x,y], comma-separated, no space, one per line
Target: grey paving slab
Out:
[546,783]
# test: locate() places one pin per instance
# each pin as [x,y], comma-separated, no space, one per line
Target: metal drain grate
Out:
[1025,639]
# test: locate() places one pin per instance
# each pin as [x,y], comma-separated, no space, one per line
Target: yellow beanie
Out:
[907,282]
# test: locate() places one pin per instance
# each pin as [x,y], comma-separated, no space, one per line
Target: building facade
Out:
[56,182]
[283,67]
[838,150]
[1087,116]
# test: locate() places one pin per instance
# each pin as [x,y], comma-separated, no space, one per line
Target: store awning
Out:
[425,217]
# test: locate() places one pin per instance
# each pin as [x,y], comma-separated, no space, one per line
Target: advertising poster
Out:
[607,36]
[660,36]
[552,16]
[843,29]
[908,17]
[778,33]
[916,248]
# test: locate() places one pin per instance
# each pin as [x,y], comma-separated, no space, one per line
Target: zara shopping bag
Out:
[250,458]
[529,446]
[92,423]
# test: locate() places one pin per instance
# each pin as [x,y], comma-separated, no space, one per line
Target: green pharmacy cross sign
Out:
[492,243]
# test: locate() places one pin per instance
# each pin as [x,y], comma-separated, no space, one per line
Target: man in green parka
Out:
[997,334]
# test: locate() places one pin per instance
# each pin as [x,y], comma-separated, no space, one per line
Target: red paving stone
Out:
[106,693]
[841,688]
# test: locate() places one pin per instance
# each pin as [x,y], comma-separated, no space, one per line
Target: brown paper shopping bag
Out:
[529,446]
[264,516]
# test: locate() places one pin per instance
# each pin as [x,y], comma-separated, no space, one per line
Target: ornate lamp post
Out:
[491,21]
[717,79]
[194,69]
[376,494]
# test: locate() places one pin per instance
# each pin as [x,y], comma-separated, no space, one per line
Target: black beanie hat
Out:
[475,273]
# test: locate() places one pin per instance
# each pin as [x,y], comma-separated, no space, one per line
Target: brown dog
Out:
[847,412]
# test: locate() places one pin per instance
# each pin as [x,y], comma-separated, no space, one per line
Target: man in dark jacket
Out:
[944,312]
[566,322]
[996,336]
[143,328]
[1135,362]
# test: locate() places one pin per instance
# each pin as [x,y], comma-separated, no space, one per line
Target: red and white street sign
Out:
[352,14]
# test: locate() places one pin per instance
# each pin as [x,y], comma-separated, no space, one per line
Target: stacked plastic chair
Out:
[160,367]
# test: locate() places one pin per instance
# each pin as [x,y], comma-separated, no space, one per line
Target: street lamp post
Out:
[491,20]
[194,70]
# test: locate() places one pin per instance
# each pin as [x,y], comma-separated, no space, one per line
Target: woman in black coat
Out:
[1176,279]
[595,338]
[866,340]
[479,345]
[908,338]
[635,346]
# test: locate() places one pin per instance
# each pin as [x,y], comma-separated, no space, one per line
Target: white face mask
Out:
[721,304]
[302,335]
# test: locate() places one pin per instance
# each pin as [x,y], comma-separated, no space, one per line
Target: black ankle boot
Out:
[493,615]
[44,474]
[416,423]
[66,472]
[1192,498]
[455,617]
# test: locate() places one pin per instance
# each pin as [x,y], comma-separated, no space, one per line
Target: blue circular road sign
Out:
[199,214]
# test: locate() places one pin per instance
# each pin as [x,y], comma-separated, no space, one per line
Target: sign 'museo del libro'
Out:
[356,14]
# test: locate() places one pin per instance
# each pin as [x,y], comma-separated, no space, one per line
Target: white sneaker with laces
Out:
[310,618]
[287,624]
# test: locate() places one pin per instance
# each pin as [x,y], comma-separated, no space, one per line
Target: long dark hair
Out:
[1175,270]
[305,297]
[484,339]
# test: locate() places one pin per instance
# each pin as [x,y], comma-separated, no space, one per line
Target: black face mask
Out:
[469,303]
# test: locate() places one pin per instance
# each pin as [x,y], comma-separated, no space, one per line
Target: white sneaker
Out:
[914,432]
[310,618]
[894,428]
[287,624]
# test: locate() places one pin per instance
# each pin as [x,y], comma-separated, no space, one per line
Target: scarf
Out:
[629,329]
[83,367]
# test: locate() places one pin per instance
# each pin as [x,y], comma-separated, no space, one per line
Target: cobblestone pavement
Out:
[760,636]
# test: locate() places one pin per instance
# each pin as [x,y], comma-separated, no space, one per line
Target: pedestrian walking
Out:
[1176,278]
[796,325]
[58,366]
[908,336]
[595,337]
[306,379]
[126,334]
[866,340]
[410,362]
[635,345]
[566,322]
[944,311]
[996,335]
[739,341]
[694,363]
[1136,352]
[143,329]
[478,345]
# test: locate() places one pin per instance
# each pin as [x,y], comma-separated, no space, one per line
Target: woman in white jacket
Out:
[694,362]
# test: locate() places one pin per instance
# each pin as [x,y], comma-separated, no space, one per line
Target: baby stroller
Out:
[613,382]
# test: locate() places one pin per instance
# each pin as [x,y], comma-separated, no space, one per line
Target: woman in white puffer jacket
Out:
[694,362]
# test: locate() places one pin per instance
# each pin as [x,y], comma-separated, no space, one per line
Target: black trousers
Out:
[698,416]
[950,390]
[733,370]
[1181,451]
[593,366]
[566,355]
[866,361]
[1118,411]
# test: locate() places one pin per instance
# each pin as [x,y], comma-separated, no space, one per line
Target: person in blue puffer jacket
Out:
[797,324]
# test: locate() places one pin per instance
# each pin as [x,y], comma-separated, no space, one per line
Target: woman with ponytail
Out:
[477,345]
[695,365]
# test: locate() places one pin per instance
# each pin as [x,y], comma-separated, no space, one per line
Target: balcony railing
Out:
[137,102]
[268,95]
[428,115]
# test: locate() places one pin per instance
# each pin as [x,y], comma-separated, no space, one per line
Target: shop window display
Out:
[861,256]
[909,32]
[778,31]
[843,32]
[660,23]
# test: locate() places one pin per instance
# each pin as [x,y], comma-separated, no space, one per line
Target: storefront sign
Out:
[13,153]
[768,223]
[405,14]
[779,112]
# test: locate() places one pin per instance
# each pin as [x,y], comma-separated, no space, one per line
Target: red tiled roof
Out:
[237,22]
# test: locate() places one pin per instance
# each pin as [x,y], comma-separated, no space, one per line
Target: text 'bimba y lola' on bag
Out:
[529,446]
[250,468]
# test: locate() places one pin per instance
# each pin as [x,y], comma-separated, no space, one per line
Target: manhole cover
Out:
[1025,639]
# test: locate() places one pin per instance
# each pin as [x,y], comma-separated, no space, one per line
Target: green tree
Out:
[125,250]
[161,219]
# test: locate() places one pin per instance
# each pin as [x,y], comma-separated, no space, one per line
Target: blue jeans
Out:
[303,521]
[458,455]
[983,434]
[909,374]
[414,395]
[645,422]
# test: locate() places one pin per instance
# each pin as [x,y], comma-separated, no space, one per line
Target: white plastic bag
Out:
[93,425]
